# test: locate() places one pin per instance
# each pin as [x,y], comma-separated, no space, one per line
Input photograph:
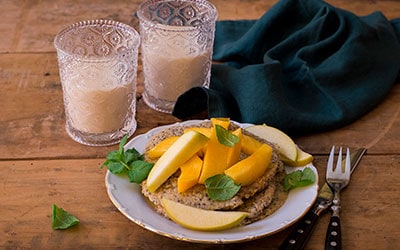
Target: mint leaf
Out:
[129,162]
[61,219]
[132,155]
[111,156]
[116,167]
[139,171]
[225,137]
[122,144]
[298,178]
[221,187]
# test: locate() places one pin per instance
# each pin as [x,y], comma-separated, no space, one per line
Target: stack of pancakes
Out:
[259,199]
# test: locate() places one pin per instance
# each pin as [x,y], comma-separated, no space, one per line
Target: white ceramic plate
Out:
[130,202]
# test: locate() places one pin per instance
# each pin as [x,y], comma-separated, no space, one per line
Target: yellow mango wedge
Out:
[285,145]
[251,168]
[201,219]
[224,122]
[190,173]
[161,147]
[249,144]
[216,155]
[178,153]
[234,152]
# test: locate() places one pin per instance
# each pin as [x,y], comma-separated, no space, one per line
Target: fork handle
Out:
[298,238]
[333,240]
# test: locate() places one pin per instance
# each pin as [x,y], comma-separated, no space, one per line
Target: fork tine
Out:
[329,167]
[347,164]
[338,169]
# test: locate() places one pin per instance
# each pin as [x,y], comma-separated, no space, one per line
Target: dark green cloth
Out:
[304,66]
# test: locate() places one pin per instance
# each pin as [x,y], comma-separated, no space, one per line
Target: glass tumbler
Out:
[177,43]
[98,70]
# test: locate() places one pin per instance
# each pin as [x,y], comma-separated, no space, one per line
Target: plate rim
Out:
[111,188]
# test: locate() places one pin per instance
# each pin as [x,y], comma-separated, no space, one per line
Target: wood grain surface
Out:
[40,165]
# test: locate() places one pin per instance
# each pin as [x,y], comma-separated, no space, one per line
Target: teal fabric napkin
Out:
[303,67]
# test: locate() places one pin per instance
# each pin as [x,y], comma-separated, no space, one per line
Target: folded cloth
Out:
[303,67]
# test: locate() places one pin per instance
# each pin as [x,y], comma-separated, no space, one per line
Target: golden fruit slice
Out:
[161,147]
[216,154]
[249,144]
[234,152]
[224,122]
[178,153]
[190,173]
[285,145]
[201,219]
[251,168]
[303,158]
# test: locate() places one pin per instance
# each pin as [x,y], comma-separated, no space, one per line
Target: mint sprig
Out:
[299,178]
[225,136]
[61,219]
[221,187]
[129,162]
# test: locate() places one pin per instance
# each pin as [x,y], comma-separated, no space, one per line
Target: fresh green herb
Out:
[61,219]
[225,136]
[221,187]
[129,162]
[299,178]
[141,171]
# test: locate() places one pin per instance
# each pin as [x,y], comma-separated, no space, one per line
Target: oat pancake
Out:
[259,199]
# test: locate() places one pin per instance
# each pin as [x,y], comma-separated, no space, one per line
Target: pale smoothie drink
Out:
[98,72]
[98,106]
[177,43]
[174,75]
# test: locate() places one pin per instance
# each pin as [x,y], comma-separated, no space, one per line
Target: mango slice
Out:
[224,122]
[249,144]
[216,155]
[178,153]
[161,147]
[190,173]
[234,152]
[251,168]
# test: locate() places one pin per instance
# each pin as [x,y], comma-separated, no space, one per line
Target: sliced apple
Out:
[201,219]
[285,145]
[303,158]
[178,153]
[204,131]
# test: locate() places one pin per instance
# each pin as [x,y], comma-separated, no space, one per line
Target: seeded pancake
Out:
[259,199]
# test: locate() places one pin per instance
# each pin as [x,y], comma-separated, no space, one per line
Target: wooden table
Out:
[40,165]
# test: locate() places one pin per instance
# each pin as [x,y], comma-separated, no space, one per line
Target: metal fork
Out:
[337,179]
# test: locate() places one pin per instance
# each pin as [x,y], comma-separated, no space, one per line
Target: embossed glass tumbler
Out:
[98,70]
[177,43]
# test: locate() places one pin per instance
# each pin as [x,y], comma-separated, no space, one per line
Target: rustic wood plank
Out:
[30,25]
[31,187]
[40,165]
